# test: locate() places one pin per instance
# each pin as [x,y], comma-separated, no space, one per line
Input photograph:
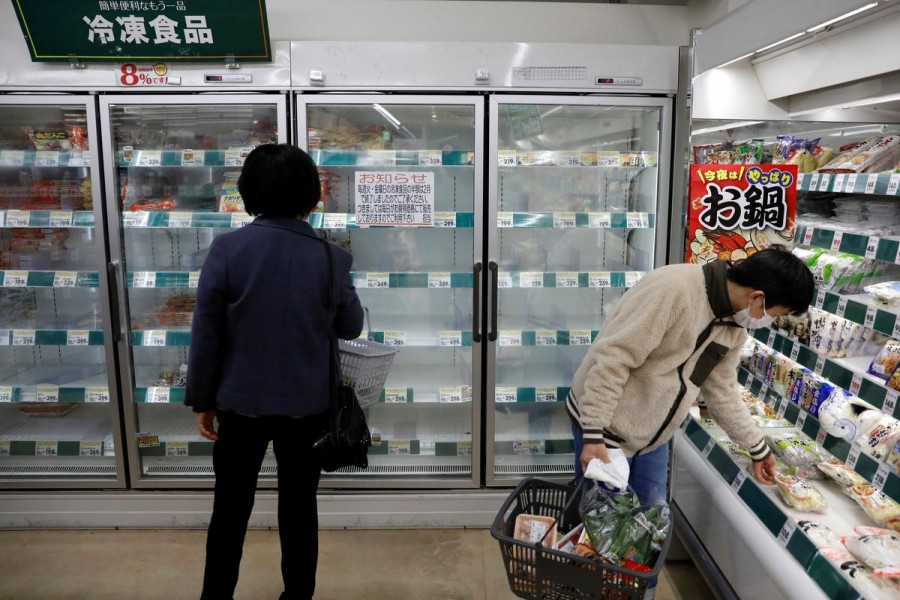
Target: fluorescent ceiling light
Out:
[387,115]
[787,39]
[735,125]
[842,17]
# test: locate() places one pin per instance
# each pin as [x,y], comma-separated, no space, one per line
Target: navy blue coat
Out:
[259,338]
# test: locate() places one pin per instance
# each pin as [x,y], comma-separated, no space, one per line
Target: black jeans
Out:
[237,457]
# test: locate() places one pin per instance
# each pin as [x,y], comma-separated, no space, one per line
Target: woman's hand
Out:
[593,451]
[205,422]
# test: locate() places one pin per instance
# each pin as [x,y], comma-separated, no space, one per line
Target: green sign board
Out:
[134,31]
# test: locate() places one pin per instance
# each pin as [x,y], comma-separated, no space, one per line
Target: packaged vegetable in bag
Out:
[794,449]
[878,439]
[878,549]
[602,513]
[841,474]
[820,535]
[799,494]
[860,575]
[881,508]
[886,361]
[837,415]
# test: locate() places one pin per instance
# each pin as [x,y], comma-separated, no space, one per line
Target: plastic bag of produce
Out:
[820,535]
[878,549]
[881,508]
[841,474]
[886,293]
[795,449]
[861,576]
[879,438]
[837,415]
[884,364]
[799,494]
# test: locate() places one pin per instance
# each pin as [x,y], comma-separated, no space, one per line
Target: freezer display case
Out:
[402,192]
[577,214]
[58,405]
[172,165]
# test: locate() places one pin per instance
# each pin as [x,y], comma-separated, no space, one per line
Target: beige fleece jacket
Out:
[628,382]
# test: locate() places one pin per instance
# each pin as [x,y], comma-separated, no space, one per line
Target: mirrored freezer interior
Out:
[575,191]
[58,424]
[172,175]
[400,191]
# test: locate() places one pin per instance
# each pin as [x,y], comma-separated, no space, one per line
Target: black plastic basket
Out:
[536,572]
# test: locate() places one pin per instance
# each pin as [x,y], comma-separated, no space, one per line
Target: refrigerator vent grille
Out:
[562,469]
[549,73]
[272,470]
[57,470]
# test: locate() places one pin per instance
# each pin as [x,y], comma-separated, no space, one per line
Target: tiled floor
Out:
[425,564]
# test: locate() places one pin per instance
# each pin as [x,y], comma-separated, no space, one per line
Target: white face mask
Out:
[743,318]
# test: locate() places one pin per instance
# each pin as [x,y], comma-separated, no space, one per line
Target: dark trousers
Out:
[237,458]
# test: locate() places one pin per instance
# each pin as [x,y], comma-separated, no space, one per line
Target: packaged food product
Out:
[846,155]
[795,449]
[820,535]
[799,494]
[881,508]
[861,576]
[823,155]
[894,457]
[837,415]
[879,550]
[886,361]
[880,438]
[841,474]
[568,542]
[535,529]
[886,293]
[230,200]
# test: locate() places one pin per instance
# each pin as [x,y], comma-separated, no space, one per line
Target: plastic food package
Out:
[886,362]
[536,528]
[847,153]
[820,535]
[841,474]
[881,508]
[837,416]
[886,293]
[878,439]
[799,494]
[230,200]
[860,575]
[794,449]
[878,549]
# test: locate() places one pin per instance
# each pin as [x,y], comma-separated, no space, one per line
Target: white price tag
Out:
[144,279]
[527,447]
[46,448]
[763,391]
[464,448]
[6,394]
[801,418]
[149,158]
[872,247]
[784,536]
[4,448]
[18,218]
[154,338]
[378,280]
[46,158]
[709,446]
[506,158]
[381,158]
[23,337]
[395,395]
[95,395]
[504,219]
[451,395]
[852,457]
[77,337]
[12,158]
[136,218]
[569,159]
[564,220]
[823,182]
[238,220]
[193,279]
[451,338]
[881,476]
[48,394]
[890,402]
[174,449]
[531,280]
[632,277]
[893,184]
[850,187]
[782,408]
[808,236]
[738,481]
[504,395]
[820,365]
[85,159]
[836,240]
[599,279]
[445,219]
[545,337]
[855,384]
[504,280]
[896,334]
[190,158]
[65,279]
[334,221]
[510,337]
[820,299]
[440,281]
[567,279]
[545,394]
[870,183]
[395,338]
[795,351]
[813,182]
[637,220]
[841,307]
[771,341]
[90,449]
[158,395]
[580,337]
[180,220]
[399,448]
[15,279]
[234,157]
[820,437]
[61,218]
[839,180]
[600,220]
[430,158]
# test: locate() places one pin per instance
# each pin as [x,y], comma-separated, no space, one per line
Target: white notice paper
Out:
[394,198]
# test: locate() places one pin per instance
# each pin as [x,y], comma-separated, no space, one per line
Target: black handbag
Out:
[346,442]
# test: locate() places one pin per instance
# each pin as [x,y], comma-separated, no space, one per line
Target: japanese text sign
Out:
[736,210]
[125,30]
[395,198]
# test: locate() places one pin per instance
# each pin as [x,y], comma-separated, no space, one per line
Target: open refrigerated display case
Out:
[838,123]
[59,418]
[171,173]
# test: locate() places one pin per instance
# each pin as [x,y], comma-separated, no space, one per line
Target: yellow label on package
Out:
[90,448]
[505,394]
[395,395]
[395,338]
[147,440]
[176,449]
[399,447]
[451,338]
[567,279]
[599,279]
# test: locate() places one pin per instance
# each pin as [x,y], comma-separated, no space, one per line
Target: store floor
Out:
[425,564]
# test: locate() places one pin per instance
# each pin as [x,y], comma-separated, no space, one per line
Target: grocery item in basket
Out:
[879,549]
[535,529]
[881,508]
[886,293]
[884,364]
[799,494]
[640,537]
[795,449]
[568,542]
[820,535]
[878,439]
[841,474]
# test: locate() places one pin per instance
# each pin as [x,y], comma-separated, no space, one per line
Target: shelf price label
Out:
[444,219]
[567,279]
[569,159]
[782,408]
[234,157]
[97,395]
[784,536]
[149,158]
[808,235]
[795,352]
[193,279]
[175,449]
[599,279]
[4,448]
[801,419]
[158,395]
[637,220]
[839,182]
[893,184]
[395,395]
[563,220]
[440,281]
[12,158]
[451,338]
[15,279]
[738,481]
[881,476]
[632,277]
[836,240]
[510,337]
[239,220]
[580,337]
[820,365]
[855,384]
[395,338]
[63,279]
[6,394]
[378,280]
[506,158]
[823,182]
[334,221]
[399,448]
[771,341]
[23,337]
[180,220]
[18,218]
[813,182]
[137,218]
[852,457]
[896,328]
[890,402]
[545,337]
[144,279]
[48,394]
[708,447]
[504,219]
[870,183]
[600,220]
[189,157]
[90,448]
[820,437]
[504,280]
[872,247]
[503,395]
[526,447]
[154,338]
[451,395]
[61,218]
[464,448]
[46,158]
[46,448]
[431,158]
[851,183]
[545,394]
[820,299]
[764,391]
[841,307]
[77,337]
[531,279]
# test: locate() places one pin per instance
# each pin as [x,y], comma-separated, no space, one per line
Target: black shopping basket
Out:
[537,572]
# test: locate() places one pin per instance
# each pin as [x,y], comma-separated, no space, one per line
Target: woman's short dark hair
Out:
[279,180]
[782,277]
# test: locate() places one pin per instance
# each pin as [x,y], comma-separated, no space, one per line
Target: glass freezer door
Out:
[172,165]
[401,185]
[58,409]
[577,215]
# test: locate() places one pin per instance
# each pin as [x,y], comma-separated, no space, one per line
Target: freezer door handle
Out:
[476,303]
[112,272]
[492,266]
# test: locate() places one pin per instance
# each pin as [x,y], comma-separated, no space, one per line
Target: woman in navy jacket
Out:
[259,363]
